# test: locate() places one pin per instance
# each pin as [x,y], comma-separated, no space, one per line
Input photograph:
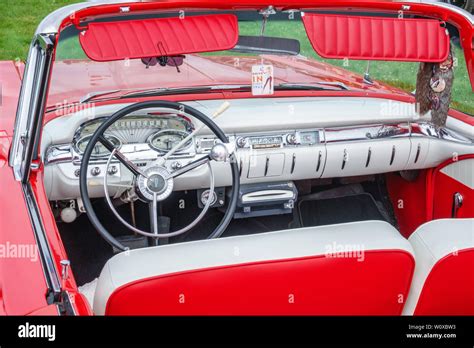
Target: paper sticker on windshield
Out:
[262,79]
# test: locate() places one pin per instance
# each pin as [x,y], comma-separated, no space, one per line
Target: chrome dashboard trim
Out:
[64,153]
[428,130]
[143,152]
[368,132]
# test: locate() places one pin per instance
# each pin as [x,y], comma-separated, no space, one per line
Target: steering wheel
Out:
[154,183]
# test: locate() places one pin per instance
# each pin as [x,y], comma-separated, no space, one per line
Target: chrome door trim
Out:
[51,274]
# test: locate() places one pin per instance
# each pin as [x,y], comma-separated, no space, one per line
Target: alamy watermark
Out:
[19,251]
[336,250]
[64,107]
[395,108]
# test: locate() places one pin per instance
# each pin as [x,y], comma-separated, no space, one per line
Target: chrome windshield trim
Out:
[52,22]
[22,113]
[450,7]
[31,105]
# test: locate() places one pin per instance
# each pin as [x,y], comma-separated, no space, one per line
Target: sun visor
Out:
[108,41]
[377,38]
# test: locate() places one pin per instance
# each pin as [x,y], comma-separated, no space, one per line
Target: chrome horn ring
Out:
[155,200]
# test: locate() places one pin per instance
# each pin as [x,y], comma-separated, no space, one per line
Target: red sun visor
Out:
[107,41]
[377,38]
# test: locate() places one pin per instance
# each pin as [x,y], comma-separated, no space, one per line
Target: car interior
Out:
[322,199]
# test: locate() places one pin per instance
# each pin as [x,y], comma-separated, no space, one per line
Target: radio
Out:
[305,138]
[265,141]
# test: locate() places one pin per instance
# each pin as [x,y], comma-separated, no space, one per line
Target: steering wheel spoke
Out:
[120,156]
[190,166]
[218,153]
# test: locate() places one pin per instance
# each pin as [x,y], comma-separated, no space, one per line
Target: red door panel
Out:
[445,187]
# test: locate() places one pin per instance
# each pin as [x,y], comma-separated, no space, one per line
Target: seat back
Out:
[347,269]
[443,283]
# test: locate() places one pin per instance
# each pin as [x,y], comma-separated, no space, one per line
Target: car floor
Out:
[88,252]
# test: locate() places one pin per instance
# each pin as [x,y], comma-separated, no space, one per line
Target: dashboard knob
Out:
[112,170]
[207,195]
[219,153]
[241,142]
[176,165]
[291,139]
[95,171]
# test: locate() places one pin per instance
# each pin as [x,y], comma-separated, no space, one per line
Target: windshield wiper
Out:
[316,86]
[93,95]
[320,86]
[137,93]
[171,91]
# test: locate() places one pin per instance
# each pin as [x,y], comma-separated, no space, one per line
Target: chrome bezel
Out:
[142,184]
[169,131]
[108,136]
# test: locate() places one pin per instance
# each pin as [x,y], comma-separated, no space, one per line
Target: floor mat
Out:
[237,227]
[335,210]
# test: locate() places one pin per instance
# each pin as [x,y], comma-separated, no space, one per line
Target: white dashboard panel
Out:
[352,136]
[366,157]
[258,115]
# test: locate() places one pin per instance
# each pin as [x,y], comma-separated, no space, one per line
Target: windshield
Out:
[76,78]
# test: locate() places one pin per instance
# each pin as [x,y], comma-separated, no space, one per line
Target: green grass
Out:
[18,22]
[19,19]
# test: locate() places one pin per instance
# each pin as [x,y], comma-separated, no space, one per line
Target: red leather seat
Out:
[347,269]
[443,283]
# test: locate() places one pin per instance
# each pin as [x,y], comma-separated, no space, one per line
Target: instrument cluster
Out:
[159,131]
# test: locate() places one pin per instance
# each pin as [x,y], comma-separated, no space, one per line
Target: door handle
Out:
[457,203]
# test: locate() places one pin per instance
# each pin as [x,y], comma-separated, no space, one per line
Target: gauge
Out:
[99,149]
[165,140]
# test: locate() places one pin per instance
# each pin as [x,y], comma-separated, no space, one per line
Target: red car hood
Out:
[73,79]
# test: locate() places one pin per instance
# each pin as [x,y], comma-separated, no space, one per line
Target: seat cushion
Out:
[443,283]
[355,268]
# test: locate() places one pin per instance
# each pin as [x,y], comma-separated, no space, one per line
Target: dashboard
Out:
[284,139]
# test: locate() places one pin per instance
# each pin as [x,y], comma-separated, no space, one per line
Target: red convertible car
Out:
[200,158]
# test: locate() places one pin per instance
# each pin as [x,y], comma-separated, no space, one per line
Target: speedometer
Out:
[165,140]
[99,149]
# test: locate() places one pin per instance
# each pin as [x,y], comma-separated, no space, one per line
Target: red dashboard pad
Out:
[377,38]
[108,41]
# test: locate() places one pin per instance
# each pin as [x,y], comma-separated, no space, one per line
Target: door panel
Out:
[453,189]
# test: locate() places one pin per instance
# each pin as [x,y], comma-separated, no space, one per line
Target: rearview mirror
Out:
[175,61]
[267,45]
